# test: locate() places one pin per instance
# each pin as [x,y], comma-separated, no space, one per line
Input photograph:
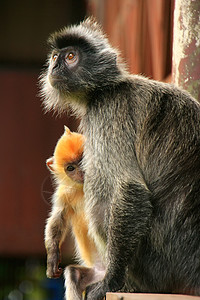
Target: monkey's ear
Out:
[67,130]
[49,163]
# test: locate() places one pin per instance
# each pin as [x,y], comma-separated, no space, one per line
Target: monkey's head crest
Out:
[88,30]
[81,61]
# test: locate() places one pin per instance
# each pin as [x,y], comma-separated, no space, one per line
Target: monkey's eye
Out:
[71,57]
[70,168]
[54,57]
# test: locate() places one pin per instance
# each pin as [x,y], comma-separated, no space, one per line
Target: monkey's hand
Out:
[53,260]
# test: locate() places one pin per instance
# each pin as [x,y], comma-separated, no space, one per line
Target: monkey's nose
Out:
[55,68]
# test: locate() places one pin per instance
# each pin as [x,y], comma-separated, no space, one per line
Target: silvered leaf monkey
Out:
[141,162]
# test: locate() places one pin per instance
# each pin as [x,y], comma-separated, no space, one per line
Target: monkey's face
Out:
[62,63]
[66,172]
[66,164]
[69,173]
[68,70]
[79,68]
[81,60]
[74,171]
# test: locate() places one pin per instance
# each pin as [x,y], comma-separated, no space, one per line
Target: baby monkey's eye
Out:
[70,168]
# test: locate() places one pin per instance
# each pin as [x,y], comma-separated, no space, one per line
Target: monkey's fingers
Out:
[54,273]
[58,273]
[53,261]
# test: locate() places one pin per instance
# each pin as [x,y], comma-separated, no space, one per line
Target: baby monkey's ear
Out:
[49,163]
[67,130]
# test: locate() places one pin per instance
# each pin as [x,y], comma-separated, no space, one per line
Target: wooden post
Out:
[186,46]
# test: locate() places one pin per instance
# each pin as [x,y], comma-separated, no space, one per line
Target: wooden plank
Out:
[132,296]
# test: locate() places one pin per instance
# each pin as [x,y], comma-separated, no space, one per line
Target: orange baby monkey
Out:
[68,212]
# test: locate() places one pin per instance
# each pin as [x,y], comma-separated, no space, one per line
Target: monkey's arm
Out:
[129,221]
[55,232]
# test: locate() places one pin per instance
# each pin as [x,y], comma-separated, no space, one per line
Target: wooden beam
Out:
[134,296]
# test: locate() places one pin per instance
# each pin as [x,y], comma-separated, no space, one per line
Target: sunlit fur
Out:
[54,101]
[51,95]
[142,165]
[68,202]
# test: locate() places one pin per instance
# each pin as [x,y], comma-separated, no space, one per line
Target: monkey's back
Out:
[154,129]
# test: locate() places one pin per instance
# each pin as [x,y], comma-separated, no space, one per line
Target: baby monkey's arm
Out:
[55,232]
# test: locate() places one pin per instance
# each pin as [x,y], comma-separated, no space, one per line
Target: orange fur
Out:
[69,148]
[85,244]
[69,196]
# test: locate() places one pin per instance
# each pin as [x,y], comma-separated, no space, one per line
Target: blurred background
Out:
[142,30]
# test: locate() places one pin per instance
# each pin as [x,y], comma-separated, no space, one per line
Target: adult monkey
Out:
[141,160]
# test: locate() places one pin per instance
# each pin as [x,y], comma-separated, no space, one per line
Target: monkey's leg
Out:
[55,232]
[77,278]
[129,222]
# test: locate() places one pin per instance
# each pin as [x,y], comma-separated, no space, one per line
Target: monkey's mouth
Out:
[55,80]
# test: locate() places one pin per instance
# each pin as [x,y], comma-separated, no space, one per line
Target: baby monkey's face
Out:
[66,163]
[67,170]
[74,171]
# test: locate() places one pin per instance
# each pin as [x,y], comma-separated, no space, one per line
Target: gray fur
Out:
[142,166]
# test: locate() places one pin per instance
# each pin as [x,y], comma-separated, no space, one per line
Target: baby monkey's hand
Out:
[53,261]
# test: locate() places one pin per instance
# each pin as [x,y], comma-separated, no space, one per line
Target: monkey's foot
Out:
[96,291]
